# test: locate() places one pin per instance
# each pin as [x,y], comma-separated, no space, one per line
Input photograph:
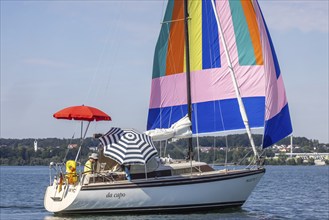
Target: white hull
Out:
[207,190]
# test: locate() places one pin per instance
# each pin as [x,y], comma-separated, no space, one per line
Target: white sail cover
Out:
[180,129]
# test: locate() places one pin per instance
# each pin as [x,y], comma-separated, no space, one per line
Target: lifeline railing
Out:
[60,172]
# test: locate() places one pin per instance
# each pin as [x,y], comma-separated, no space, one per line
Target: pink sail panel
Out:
[172,89]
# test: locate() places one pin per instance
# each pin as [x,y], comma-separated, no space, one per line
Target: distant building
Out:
[71,146]
[93,148]
[207,149]
[35,145]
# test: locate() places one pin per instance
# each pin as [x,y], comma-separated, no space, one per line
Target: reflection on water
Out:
[285,192]
[238,213]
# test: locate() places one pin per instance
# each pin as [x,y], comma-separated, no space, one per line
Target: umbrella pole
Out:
[82,138]
[81,129]
[145,170]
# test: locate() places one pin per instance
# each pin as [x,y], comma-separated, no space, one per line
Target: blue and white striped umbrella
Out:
[127,146]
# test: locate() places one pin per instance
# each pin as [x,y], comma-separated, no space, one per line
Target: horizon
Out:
[194,136]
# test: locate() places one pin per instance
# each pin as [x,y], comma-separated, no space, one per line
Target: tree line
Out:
[21,151]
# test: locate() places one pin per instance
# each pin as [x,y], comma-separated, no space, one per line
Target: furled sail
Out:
[180,129]
[214,103]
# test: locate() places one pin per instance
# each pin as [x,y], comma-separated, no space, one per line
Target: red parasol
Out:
[83,113]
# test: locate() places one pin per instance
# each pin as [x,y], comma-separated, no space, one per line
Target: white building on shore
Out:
[35,145]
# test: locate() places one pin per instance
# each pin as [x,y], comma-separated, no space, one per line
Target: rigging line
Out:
[160,114]
[176,145]
[235,84]
[171,63]
[213,92]
[169,124]
[163,11]
[172,21]
[213,147]
[174,68]
[224,129]
[68,149]
[263,151]
[97,68]
[116,46]
[101,58]
[165,149]
[81,142]
[195,110]
[226,150]
[210,55]
[170,51]
[161,109]
[239,163]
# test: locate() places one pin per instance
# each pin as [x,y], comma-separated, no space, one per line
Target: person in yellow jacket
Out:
[90,165]
[71,173]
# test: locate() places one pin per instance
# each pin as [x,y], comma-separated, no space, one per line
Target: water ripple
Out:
[285,192]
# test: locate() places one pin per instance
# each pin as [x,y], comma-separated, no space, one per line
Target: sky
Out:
[56,54]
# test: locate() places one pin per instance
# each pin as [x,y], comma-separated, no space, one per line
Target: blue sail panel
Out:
[211,116]
[277,127]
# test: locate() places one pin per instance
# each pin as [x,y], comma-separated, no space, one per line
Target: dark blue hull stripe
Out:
[160,209]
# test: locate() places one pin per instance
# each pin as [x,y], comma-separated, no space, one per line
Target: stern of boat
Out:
[58,201]
[62,191]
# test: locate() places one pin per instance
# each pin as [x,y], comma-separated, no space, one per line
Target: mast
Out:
[235,84]
[188,75]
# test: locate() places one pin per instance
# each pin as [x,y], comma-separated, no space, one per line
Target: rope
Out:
[68,149]
[113,47]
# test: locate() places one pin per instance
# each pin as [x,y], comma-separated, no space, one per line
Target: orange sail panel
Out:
[175,53]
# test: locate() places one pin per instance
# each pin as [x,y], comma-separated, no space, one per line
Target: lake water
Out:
[285,192]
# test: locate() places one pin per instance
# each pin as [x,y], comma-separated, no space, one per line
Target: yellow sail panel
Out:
[195,34]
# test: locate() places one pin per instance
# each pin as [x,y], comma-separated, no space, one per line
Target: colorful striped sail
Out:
[214,103]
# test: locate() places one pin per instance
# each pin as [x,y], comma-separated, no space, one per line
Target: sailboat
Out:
[214,70]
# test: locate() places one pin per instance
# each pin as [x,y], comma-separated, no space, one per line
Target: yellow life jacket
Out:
[71,173]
